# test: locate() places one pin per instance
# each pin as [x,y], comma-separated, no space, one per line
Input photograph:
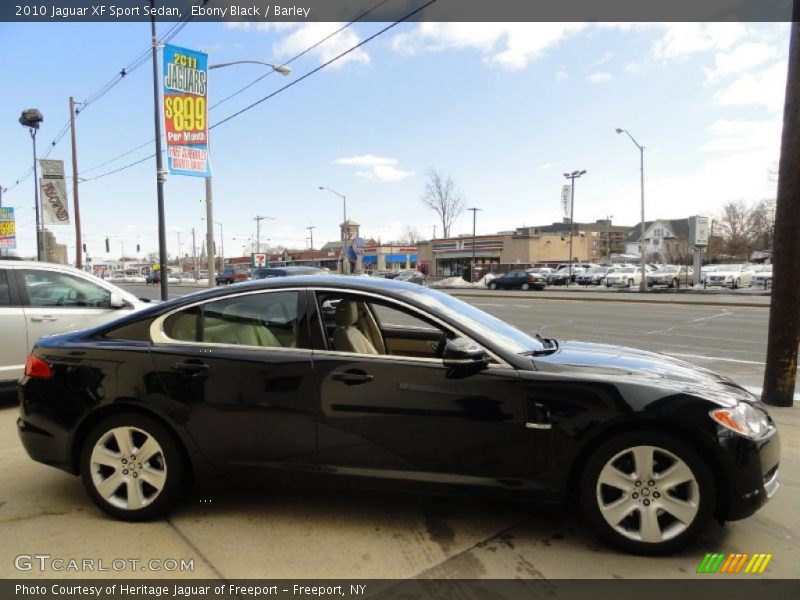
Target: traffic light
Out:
[84,248]
[108,248]
[137,249]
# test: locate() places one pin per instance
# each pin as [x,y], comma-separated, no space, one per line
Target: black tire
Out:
[736,284]
[525,287]
[705,489]
[674,284]
[492,285]
[171,459]
[630,283]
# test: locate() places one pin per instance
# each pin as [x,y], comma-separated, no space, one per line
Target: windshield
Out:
[482,323]
[667,270]
[625,270]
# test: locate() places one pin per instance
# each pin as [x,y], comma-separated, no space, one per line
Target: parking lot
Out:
[247,526]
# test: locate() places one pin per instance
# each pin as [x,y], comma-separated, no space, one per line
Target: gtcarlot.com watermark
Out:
[46,563]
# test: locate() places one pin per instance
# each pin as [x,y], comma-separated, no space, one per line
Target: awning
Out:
[369,260]
[396,258]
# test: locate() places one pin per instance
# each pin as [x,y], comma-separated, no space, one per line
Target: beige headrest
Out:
[346,313]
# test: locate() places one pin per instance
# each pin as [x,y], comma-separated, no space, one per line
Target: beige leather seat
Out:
[347,337]
[237,326]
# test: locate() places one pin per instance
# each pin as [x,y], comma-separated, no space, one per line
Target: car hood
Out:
[643,367]
[725,273]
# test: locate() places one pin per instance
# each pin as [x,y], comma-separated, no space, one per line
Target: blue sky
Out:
[503,108]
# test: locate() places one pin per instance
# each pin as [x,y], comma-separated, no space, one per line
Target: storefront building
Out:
[504,252]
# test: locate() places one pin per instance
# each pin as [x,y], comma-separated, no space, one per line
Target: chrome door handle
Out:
[354,377]
[41,318]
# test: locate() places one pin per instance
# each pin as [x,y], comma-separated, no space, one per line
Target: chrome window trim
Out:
[159,337]
[415,311]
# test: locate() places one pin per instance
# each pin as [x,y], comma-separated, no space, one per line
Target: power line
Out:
[303,53]
[323,65]
[246,87]
[137,62]
[285,87]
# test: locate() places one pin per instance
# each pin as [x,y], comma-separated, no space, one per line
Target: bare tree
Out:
[442,197]
[764,224]
[737,226]
[410,235]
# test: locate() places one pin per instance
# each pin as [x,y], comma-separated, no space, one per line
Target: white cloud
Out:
[561,76]
[600,77]
[507,45]
[308,34]
[632,67]
[730,136]
[380,169]
[762,88]
[298,37]
[741,58]
[684,39]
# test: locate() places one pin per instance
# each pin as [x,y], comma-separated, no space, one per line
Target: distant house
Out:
[666,240]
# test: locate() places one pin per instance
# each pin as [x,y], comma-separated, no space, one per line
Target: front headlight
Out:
[744,419]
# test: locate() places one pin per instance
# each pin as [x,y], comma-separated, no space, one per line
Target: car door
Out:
[239,371]
[14,349]
[56,301]
[410,416]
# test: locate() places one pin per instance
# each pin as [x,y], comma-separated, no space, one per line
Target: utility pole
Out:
[572,177]
[784,313]
[311,229]
[472,267]
[194,254]
[258,220]
[78,253]
[161,175]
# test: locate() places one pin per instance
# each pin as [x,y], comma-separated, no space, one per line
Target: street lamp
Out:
[643,283]
[345,262]
[472,268]
[572,177]
[32,118]
[283,70]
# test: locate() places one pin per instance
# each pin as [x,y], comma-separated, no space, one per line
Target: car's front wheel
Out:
[647,493]
[526,286]
[132,467]
[492,286]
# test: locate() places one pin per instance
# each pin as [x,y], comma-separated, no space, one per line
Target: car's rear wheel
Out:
[630,283]
[526,286]
[647,493]
[736,284]
[492,286]
[674,283]
[132,467]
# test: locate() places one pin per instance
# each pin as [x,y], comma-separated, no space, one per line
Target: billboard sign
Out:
[259,259]
[698,231]
[186,111]
[53,190]
[566,193]
[8,228]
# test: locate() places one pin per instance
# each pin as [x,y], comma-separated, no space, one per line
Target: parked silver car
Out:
[670,275]
[38,299]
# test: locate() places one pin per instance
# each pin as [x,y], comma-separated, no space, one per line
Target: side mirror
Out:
[463,352]
[116,300]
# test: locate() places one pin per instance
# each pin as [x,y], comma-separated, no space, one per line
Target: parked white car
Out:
[732,276]
[762,276]
[38,299]
[624,277]
[671,276]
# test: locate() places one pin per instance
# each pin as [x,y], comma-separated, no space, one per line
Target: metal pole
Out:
[78,249]
[221,246]
[160,174]
[36,198]
[571,225]
[194,254]
[472,267]
[642,283]
[210,263]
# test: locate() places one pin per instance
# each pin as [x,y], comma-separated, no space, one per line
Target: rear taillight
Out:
[36,368]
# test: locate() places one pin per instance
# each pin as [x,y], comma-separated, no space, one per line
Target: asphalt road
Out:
[244,527]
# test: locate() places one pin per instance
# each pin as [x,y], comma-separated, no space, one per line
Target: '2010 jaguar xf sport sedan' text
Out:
[379,379]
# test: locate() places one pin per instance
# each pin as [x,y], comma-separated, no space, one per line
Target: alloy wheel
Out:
[648,494]
[128,468]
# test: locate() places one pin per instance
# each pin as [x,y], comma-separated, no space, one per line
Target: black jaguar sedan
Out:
[382,380]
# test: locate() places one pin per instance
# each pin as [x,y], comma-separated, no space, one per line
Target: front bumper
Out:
[751,468]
